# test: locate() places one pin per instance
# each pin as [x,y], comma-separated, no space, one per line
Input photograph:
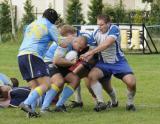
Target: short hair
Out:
[51,15]
[84,39]
[67,29]
[104,17]
[15,82]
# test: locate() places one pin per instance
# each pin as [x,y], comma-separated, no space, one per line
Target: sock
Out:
[33,96]
[77,94]
[97,89]
[50,94]
[130,95]
[66,93]
[95,100]
[33,106]
[112,95]
[40,101]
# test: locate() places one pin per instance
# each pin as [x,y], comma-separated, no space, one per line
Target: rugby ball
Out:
[71,55]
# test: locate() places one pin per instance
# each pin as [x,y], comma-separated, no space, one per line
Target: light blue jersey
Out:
[37,37]
[4,80]
[55,50]
[50,52]
[61,52]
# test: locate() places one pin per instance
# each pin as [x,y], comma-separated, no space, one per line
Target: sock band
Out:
[55,87]
[70,87]
[39,91]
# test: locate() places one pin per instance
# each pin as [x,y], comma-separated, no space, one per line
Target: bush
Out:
[154,16]
[5,18]
[74,15]
[28,17]
[96,8]
[138,16]
[117,13]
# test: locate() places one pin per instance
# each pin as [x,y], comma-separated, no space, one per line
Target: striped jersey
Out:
[113,53]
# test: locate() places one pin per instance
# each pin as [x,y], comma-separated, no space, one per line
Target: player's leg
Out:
[82,72]
[130,81]
[33,84]
[57,83]
[33,69]
[38,91]
[125,73]
[86,80]
[68,90]
[94,75]
[107,86]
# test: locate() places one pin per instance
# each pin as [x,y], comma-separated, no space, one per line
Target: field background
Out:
[147,100]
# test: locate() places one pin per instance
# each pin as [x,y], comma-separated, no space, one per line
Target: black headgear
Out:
[51,15]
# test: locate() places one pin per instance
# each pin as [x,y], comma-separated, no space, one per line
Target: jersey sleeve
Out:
[60,52]
[114,32]
[90,38]
[53,32]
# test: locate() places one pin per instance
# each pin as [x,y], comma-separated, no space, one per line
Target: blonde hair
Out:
[67,29]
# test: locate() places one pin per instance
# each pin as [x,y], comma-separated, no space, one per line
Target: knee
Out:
[92,76]
[75,80]
[58,82]
[130,81]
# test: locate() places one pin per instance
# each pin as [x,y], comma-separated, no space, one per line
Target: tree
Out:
[74,15]
[12,20]
[96,8]
[147,0]
[154,16]
[5,18]
[28,17]
[117,13]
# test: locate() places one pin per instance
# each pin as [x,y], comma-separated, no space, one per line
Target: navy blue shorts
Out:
[54,69]
[32,67]
[118,69]
[18,95]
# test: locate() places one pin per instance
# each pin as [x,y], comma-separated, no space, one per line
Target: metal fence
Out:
[135,38]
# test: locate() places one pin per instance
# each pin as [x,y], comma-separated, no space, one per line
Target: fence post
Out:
[0,37]
[143,37]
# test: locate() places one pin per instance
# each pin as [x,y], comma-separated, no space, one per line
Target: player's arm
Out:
[108,42]
[59,58]
[112,37]
[78,68]
[55,36]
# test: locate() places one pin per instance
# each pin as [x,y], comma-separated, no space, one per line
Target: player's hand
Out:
[74,61]
[87,56]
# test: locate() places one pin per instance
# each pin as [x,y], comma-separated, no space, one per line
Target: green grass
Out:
[147,100]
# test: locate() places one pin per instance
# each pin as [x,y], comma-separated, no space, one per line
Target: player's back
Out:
[37,36]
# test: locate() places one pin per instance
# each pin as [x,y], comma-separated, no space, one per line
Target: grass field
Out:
[147,71]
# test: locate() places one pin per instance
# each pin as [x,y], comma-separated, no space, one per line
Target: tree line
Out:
[75,16]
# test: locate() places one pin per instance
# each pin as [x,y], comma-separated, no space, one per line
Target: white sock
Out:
[95,101]
[97,89]
[77,94]
[130,95]
[113,96]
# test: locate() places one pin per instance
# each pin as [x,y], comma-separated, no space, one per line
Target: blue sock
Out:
[33,96]
[66,93]
[33,105]
[50,94]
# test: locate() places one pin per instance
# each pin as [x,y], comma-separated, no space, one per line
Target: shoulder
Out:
[95,32]
[114,29]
